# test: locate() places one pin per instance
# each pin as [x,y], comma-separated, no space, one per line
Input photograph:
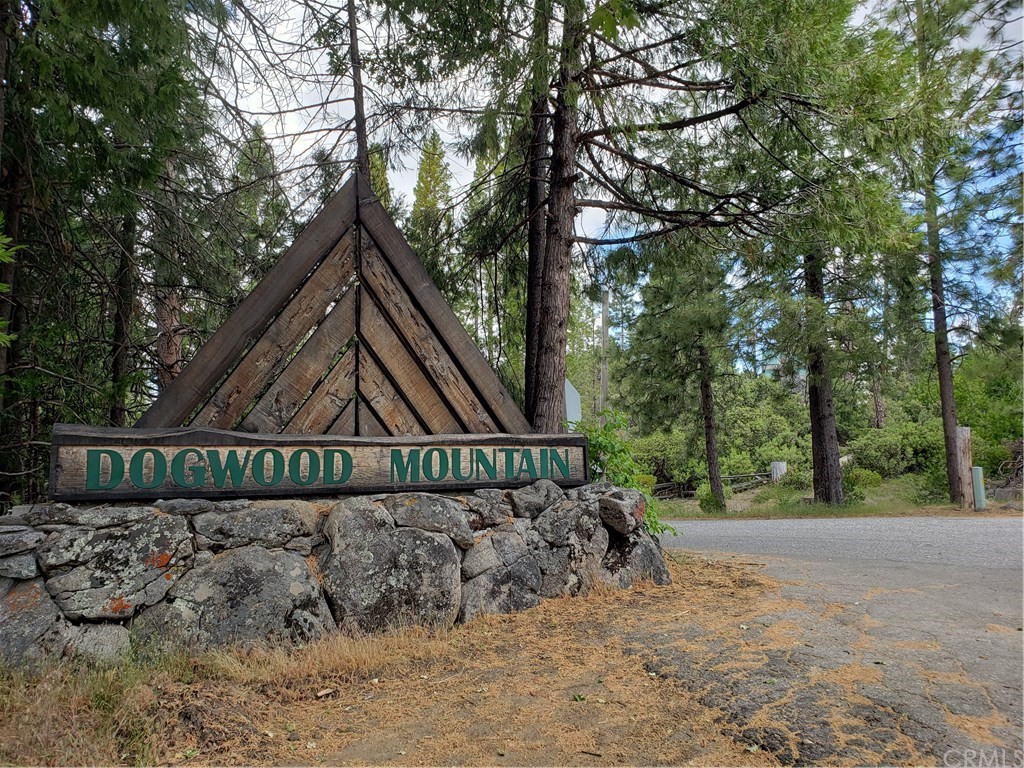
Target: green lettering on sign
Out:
[259,467]
[457,465]
[330,478]
[312,467]
[94,469]
[489,467]
[137,469]
[526,464]
[510,458]
[432,473]
[231,465]
[405,469]
[560,462]
[196,471]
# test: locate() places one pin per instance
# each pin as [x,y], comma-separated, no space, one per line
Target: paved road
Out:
[936,603]
[991,543]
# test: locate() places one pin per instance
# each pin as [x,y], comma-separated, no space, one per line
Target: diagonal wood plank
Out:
[176,403]
[369,424]
[419,337]
[328,400]
[268,354]
[287,394]
[412,273]
[345,424]
[376,389]
[376,333]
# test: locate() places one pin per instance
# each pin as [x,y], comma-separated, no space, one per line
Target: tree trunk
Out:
[707,408]
[554,300]
[167,310]
[124,298]
[536,197]
[828,481]
[536,205]
[6,33]
[878,420]
[359,117]
[943,362]
[8,273]
[7,24]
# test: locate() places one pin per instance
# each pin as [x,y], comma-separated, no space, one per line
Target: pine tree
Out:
[432,220]
[954,94]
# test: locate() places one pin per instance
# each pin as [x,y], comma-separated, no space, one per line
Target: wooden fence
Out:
[746,481]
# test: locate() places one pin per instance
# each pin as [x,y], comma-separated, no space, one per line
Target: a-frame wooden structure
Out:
[346,335]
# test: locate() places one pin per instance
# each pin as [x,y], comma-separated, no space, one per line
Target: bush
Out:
[881,451]
[989,455]
[860,477]
[900,448]
[932,487]
[855,480]
[707,501]
[797,479]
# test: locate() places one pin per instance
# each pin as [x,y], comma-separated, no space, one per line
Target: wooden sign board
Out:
[108,464]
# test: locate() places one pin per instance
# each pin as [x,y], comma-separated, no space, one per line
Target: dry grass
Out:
[552,685]
[337,659]
[70,715]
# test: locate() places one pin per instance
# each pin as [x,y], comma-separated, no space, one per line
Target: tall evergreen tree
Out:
[432,220]
[954,95]
[682,345]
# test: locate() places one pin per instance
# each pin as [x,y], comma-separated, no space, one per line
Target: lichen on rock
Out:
[201,573]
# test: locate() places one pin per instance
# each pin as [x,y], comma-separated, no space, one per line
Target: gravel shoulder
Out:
[912,625]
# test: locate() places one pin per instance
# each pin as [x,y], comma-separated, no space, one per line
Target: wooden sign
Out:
[107,464]
[346,335]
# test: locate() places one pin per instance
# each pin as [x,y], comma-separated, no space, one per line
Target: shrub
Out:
[863,478]
[881,451]
[989,455]
[899,448]
[796,479]
[707,501]
[611,459]
[932,486]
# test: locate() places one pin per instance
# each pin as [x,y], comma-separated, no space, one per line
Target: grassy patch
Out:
[896,497]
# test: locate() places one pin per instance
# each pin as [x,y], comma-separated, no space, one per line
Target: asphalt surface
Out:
[935,604]
[990,543]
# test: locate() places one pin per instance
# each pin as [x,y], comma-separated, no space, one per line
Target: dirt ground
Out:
[727,666]
[556,685]
[586,681]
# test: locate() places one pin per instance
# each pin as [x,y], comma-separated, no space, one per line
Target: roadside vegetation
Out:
[890,498]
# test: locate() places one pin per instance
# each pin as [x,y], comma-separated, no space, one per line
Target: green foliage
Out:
[612,16]
[611,453]
[760,421]
[7,251]
[612,460]
[796,479]
[882,451]
[856,482]
[865,478]
[432,221]
[901,447]
[990,456]
[989,386]
[708,502]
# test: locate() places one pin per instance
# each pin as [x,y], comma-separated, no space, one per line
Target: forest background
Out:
[805,214]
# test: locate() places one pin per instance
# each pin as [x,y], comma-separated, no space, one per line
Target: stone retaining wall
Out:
[81,581]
